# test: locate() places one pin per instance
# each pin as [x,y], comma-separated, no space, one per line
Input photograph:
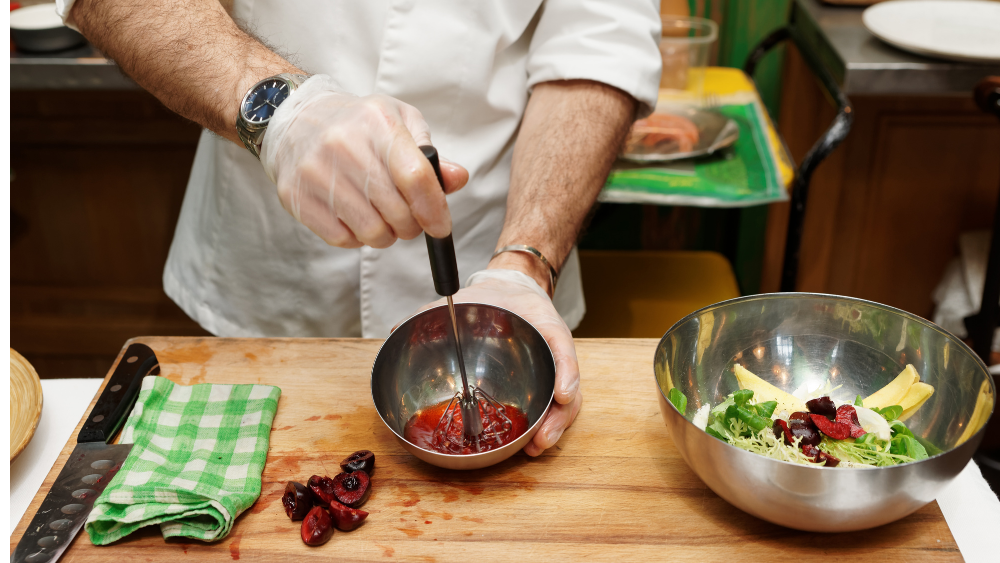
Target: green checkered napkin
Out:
[196,462]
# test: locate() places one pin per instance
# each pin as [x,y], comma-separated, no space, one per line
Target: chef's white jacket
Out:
[240,265]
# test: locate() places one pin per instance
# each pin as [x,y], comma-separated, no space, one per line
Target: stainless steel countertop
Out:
[865,65]
[83,68]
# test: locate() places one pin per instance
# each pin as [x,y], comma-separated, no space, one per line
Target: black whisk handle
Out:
[444,265]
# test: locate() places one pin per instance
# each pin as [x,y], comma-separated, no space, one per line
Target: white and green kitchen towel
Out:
[196,462]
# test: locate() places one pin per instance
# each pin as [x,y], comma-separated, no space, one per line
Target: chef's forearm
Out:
[569,137]
[189,54]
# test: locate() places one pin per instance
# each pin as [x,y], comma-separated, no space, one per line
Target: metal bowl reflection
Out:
[417,368]
[792,339]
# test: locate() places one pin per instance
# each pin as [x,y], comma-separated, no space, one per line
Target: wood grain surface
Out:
[614,486]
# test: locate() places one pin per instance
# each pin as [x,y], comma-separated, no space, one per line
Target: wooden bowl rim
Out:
[24,373]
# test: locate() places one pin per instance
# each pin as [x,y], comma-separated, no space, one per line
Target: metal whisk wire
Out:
[483,407]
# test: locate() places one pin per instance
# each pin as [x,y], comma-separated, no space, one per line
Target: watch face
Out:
[260,104]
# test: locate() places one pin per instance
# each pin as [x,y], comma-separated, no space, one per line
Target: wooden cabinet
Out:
[886,208]
[97,183]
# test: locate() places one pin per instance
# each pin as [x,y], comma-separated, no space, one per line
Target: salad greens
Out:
[890,413]
[749,425]
[678,399]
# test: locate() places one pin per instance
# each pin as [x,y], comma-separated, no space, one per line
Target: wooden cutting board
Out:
[613,488]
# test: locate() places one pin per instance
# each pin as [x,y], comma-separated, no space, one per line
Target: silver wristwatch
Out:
[259,104]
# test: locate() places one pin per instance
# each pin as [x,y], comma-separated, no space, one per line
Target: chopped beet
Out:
[799,416]
[835,430]
[823,406]
[847,415]
[780,428]
[805,430]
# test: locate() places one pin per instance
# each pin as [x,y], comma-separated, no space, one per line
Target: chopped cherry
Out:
[780,429]
[823,406]
[827,459]
[799,416]
[361,460]
[317,527]
[804,429]
[833,429]
[819,456]
[847,415]
[322,488]
[352,488]
[298,499]
[346,518]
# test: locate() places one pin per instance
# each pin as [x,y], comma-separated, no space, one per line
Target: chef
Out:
[308,190]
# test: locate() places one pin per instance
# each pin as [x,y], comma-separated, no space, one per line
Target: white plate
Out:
[961,30]
[39,16]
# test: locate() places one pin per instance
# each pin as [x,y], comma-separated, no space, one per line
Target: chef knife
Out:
[91,466]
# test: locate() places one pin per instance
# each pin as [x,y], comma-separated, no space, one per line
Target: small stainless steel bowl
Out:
[790,339]
[417,368]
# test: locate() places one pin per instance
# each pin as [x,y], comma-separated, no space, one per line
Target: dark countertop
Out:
[82,68]
[863,64]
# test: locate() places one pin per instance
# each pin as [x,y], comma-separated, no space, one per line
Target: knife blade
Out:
[91,466]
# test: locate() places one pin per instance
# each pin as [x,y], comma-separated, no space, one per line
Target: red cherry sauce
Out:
[419,430]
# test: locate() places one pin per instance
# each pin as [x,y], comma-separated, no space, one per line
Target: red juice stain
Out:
[234,547]
[419,430]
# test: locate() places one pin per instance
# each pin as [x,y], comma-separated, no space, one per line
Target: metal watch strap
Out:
[251,134]
[523,248]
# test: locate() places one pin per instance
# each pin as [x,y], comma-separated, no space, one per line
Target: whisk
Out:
[484,420]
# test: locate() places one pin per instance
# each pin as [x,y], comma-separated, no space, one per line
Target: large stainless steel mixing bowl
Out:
[417,368]
[792,339]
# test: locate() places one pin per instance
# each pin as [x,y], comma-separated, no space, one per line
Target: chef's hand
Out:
[517,292]
[351,170]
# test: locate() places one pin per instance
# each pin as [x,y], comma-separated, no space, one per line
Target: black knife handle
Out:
[118,398]
[444,265]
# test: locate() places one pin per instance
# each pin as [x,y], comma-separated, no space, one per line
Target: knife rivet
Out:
[132,359]
[48,541]
[83,493]
[72,508]
[91,479]
[98,418]
[102,465]
[38,557]
[115,388]
[60,524]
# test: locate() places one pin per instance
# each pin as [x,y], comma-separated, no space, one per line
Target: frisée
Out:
[869,432]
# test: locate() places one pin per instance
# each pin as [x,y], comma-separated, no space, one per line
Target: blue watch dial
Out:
[263,100]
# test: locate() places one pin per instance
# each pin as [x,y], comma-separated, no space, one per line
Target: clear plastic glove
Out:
[517,292]
[351,170]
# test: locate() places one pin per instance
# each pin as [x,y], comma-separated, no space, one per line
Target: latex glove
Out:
[518,292]
[350,169]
